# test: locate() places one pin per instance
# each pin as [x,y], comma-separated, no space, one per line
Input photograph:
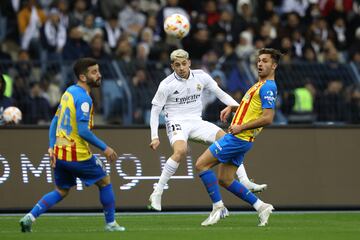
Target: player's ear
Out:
[172,66]
[189,63]
[274,66]
[82,77]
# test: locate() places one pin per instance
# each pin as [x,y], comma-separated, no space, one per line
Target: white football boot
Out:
[253,187]
[114,227]
[216,214]
[155,201]
[264,213]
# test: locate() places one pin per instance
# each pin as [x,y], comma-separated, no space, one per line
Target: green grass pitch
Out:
[287,226]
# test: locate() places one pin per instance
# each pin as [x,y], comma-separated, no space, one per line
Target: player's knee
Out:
[180,154]
[63,192]
[224,182]
[200,166]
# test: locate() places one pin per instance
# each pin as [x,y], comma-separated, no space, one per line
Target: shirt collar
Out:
[191,76]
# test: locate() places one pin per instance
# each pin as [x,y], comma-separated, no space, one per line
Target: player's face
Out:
[93,76]
[266,66]
[182,67]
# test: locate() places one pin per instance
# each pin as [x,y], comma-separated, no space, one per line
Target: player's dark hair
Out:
[274,53]
[81,66]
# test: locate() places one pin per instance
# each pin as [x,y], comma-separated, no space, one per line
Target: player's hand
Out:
[52,157]
[110,154]
[224,114]
[235,129]
[154,144]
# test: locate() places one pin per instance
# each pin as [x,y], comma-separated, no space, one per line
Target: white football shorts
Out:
[195,130]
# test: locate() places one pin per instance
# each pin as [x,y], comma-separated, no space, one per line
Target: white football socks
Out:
[169,169]
[241,173]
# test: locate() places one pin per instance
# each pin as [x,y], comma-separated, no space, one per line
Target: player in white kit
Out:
[179,96]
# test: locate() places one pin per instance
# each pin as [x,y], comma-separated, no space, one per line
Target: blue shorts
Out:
[89,171]
[230,149]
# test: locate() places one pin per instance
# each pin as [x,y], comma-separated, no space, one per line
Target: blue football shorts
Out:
[89,171]
[230,149]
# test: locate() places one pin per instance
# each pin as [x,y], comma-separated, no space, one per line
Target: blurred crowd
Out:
[222,32]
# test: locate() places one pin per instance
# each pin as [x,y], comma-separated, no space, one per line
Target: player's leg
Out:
[241,173]
[64,181]
[227,180]
[203,165]
[170,167]
[91,172]
[107,199]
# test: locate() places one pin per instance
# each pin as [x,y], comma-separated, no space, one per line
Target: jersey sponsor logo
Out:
[187,99]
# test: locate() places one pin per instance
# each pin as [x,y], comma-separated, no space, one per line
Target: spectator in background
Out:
[97,48]
[142,91]
[309,55]
[9,9]
[51,91]
[63,7]
[36,108]
[199,43]
[211,12]
[77,15]
[75,46]
[331,103]
[112,32]
[124,57]
[24,66]
[245,48]
[30,20]
[20,92]
[131,19]
[54,36]
[88,28]
[110,7]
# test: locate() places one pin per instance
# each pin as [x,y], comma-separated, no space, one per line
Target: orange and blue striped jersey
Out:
[75,106]
[260,96]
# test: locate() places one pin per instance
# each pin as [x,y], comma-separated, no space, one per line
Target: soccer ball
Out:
[12,115]
[177,25]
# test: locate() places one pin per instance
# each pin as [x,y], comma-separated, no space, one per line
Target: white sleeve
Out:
[154,121]
[220,94]
[160,96]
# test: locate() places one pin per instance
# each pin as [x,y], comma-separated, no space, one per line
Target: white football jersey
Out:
[182,98]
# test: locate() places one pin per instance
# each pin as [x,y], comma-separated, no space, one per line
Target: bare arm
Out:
[154,126]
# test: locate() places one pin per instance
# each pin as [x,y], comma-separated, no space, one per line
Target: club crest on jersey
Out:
[198,87]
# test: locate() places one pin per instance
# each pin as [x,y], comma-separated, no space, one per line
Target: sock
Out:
[218,204]
[258,204]
[46,202]
[242,192]
[169,169]
[107,199]
[241,173]
[210,181]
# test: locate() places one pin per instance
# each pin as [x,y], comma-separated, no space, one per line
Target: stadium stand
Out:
[320,41]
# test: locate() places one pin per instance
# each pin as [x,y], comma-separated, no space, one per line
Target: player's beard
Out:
[93,83]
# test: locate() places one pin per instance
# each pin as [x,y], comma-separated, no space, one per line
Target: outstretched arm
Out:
[154,126]
[228,100]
